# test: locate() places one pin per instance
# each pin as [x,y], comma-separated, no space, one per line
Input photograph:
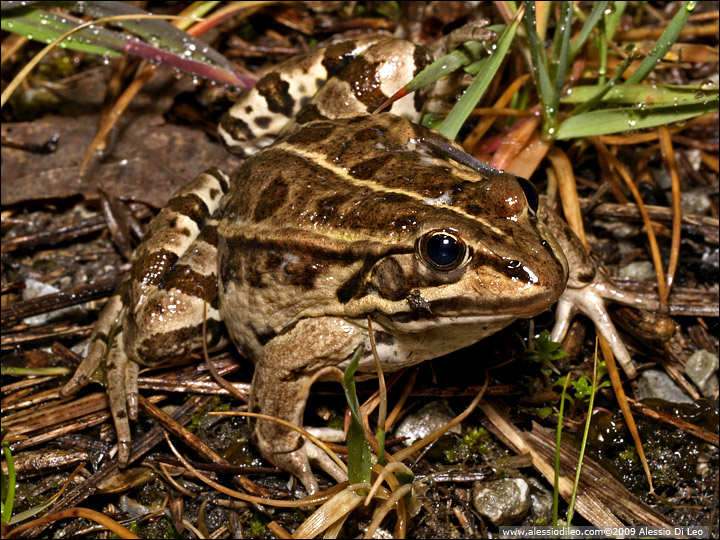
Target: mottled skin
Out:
[331,224]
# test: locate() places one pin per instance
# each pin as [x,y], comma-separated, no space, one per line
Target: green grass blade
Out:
[538,59]
[8,499]
[45,27]
[180,51]
[592,21]
[667,39]
[559,61]
[604,122]
[631,94]
[156,32]
[583,445]
[595,99]
[468,53]
[359,462]
[558,446]
[462,109]
[612,19]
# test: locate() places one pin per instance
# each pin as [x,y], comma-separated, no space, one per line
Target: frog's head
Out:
[464,248]
[486,258]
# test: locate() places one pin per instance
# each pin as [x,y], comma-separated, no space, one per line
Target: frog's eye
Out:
[442,250]
[531,193]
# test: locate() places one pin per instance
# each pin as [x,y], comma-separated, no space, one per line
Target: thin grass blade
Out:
[649,94]
[612,17]
[592,20]
[164,42]
[538,59]
[559,61]
[667,39]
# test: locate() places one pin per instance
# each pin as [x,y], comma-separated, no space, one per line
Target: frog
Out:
[338,217]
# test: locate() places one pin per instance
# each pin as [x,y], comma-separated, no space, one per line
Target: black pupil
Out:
[443,249]
[530,193]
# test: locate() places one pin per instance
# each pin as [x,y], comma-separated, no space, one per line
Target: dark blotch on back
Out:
[328,207]
[368,134]
[272,198]
[309,113]
[276,93]
[312,134]
[367,169]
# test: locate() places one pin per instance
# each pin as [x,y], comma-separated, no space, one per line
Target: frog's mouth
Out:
[412,322]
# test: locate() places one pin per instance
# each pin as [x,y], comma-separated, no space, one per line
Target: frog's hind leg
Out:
[263,111]
[156,315]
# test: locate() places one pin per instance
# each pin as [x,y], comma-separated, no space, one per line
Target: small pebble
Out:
[658,384]
[432,416]
[638,270]
[702,368]
[502,502]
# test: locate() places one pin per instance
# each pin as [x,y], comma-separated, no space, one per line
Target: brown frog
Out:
[338,216]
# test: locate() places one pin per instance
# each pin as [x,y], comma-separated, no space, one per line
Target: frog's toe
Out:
[320,458]
[116,370]
[590,302]
[299,463]
[296,463]
[131,384]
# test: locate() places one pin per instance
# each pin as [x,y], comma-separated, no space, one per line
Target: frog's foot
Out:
[472,31]
[591,300]
[298,462]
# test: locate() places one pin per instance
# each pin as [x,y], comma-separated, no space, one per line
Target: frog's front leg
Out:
[588,291]
[156,315]
[285,366]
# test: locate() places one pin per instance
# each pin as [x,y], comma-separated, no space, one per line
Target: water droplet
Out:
[632,122]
